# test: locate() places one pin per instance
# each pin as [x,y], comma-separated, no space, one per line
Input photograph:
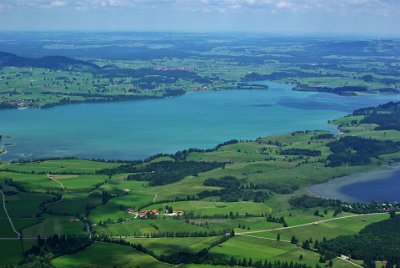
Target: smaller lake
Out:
[380,185]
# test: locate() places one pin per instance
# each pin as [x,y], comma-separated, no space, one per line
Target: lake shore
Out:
[333,189]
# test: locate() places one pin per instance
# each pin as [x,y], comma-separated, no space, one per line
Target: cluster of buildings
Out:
[144,214]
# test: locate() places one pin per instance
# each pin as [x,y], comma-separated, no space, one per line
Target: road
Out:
[8,216]
[349,261]
[57,181]
[55,202]
[155,197]
[307,224]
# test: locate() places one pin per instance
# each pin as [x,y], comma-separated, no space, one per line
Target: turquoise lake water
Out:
[138,129]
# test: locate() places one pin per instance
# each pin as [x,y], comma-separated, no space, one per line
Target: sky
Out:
[366,17]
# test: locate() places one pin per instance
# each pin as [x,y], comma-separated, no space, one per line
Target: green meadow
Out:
[100,253]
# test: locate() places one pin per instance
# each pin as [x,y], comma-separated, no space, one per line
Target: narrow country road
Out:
[310,223]
[155,197]
[346,260]
[8,216]
[57,181]
[55,202]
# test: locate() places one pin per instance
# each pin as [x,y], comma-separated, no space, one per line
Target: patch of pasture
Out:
[148,227]
[62,166]
[330,229]
[173,245]
[75,203]
[11,252]
[246,224]
[32,182]
[25,205]
[262,249]
[210,208]
[51,225]
[113,255]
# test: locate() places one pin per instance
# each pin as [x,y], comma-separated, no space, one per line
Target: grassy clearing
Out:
[11,251]
[328,230]
[5,229]
[144,227]
[32,182]
[80,183]
[250,223]
[173,245]
[209,208]
[61,166]
[25,204]
[112,255]
[55,225]
[76,203]
[262,249]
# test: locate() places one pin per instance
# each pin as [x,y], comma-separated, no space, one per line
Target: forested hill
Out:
[385,116]
[50,62]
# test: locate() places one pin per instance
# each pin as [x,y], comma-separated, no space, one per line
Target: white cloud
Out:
[57,4]
[283,4]
[387,7]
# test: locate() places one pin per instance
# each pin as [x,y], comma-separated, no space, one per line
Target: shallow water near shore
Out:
[141,128]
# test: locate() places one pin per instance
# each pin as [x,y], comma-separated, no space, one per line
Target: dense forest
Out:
[352,150]
[378,241]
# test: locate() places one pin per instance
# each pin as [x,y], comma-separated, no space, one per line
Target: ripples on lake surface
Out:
[138,129]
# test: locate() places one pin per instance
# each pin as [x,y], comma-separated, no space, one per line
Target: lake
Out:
[138,129]
[380,185]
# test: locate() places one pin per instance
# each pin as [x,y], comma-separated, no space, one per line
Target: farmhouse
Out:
[143,213]
[174,213]
[131,211]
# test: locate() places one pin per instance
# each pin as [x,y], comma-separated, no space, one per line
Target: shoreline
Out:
[332,188]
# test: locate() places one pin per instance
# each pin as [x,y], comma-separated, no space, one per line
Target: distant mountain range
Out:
[49,62]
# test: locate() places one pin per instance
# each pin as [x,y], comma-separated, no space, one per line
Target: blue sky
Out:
[372,17]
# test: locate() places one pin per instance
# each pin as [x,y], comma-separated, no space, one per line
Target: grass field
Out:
[248,223]
[144,227]
[260,249]
[113,255]
[328,230]
[11,251]
[61,166]
[25,204]
[5,229]
[173,245]
[51,225]
[209,208]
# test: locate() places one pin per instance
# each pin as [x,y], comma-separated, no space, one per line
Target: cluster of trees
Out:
[59,245]
[377,241]
[280,220]
[386,116]
[165,172]
[323,136]
[306,201]
[353,150]
[234,190]
[14,184]
[306,152]
[345,90]
[184,234]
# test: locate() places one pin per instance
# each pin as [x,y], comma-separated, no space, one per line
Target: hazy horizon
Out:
[284,17]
